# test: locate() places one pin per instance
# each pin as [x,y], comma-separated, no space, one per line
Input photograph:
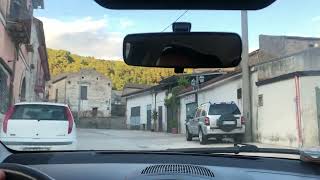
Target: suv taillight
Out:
[242,120]
[70,119]
[6,118]
[207,121]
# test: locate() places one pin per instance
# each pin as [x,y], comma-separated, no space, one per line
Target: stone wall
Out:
[103,123]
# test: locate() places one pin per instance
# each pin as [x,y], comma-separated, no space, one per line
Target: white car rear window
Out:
[39,112]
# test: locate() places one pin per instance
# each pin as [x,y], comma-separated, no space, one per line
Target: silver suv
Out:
[216,120]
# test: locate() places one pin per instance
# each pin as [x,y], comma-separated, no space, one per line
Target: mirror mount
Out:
[178,70]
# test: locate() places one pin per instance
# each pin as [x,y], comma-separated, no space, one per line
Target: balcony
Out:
[19,20]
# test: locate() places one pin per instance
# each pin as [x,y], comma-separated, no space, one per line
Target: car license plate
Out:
[229,123]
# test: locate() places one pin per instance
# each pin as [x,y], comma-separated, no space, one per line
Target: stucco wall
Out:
[143,100]
[254,103]
[277,115]
[309,117]
[222,91]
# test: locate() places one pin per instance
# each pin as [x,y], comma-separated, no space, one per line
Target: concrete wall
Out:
[277,122]
[254,103]
[278,46]
[143,100]
[222,91]
[309,119]
[308,60]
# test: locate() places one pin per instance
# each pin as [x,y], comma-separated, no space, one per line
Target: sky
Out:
[85,28]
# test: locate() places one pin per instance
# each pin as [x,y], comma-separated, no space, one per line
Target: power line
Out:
[175,20]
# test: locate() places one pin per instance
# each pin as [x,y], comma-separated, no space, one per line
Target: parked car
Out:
[39,126]
[216,120]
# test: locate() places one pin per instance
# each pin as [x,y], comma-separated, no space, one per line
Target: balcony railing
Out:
[19,19]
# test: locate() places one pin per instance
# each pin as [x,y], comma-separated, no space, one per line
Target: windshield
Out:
[222,109]
[65,62]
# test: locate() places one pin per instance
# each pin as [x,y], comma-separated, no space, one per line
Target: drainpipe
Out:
[298,110]
[11,88]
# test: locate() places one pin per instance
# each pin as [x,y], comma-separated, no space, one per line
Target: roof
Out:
[152,88]
[212,81]
[41,103]
[297,37]
[65,75]
[137,86]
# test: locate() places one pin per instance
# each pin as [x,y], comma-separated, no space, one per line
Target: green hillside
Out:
[61,61]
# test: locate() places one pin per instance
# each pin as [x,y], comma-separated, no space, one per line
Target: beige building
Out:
[87,91]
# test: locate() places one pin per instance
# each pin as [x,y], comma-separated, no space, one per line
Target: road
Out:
[102,139]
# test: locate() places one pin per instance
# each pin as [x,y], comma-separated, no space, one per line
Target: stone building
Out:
[87,92]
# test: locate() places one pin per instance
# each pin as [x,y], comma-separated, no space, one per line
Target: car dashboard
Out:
[121,165]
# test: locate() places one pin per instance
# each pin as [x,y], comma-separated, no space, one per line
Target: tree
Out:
[61,61]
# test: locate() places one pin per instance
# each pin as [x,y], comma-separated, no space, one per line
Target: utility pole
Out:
[246,99]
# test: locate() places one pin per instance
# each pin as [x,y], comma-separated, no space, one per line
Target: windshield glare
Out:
[63,78]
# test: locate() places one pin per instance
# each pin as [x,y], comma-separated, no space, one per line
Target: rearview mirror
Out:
[189,4]
[183,50]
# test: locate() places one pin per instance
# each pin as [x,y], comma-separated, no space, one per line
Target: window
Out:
[239,93]
[94,111]
[135,111]
[39,112]
[260,100]
[221,109]
[84,92]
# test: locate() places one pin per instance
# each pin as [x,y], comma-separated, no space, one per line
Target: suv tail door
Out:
[223,115]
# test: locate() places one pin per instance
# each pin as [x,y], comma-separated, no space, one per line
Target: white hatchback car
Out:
[39,126]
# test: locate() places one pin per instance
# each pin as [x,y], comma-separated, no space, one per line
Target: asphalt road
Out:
[101,139]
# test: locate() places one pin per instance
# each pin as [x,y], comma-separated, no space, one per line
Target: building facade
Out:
[86,92]
[284,95]
[23,60]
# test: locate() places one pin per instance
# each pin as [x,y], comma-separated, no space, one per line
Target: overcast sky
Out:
[85,28]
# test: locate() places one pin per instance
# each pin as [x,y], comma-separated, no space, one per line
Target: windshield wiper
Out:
[236,149]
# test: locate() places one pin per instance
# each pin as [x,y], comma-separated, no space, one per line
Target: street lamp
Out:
[195,83]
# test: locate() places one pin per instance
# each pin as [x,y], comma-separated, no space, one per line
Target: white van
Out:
[39,126]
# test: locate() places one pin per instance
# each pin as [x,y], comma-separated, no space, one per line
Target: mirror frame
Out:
[133,36]
[182,4]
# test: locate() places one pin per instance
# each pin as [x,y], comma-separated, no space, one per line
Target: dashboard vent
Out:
[178,169]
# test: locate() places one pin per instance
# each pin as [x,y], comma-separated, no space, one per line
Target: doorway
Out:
[149,117]
[160,118]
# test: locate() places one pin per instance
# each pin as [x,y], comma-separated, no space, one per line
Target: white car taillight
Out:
[70,119]
[6,119]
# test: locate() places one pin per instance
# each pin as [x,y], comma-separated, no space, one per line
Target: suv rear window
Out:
[221,109]
[39,112]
